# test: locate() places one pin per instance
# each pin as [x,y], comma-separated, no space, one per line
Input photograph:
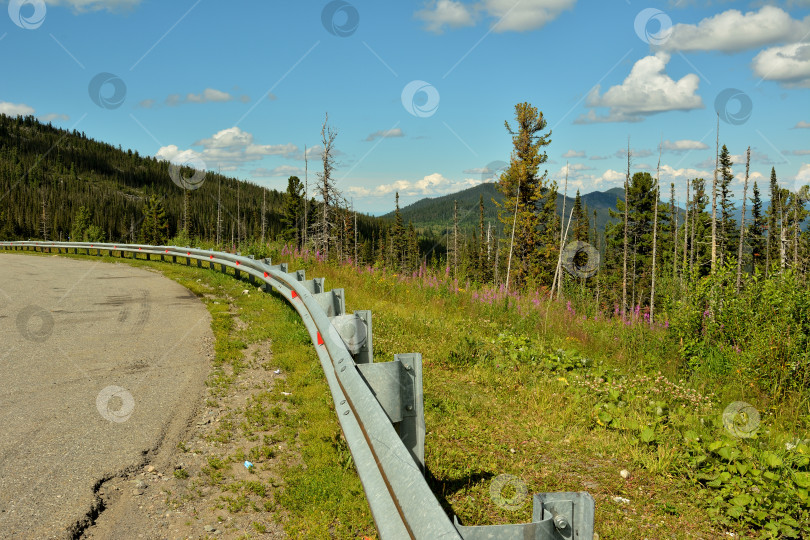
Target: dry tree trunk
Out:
[714,196]
[674,223]
[219,213]
[655,235]
[512,243]
[557,274]
[455,239]
[626,215]
[742,221]
[264,211]
[686,230]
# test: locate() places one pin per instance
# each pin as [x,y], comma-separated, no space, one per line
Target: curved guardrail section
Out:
[379,405]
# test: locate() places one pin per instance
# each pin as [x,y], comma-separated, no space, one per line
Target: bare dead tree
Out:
[330,196]
[355,235]
[264,213]
[557,274]
[185,211]
[455,239]
[45,227]
[306,195]
[512,243]
[714,196]
[674,221]
[655,234]
[685,230]
[782,233]
[219,213]
[626,217]
[742,221]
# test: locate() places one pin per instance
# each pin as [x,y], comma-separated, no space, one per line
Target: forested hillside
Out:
[47,175]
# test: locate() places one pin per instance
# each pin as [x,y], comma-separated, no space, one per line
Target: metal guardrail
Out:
[379,405]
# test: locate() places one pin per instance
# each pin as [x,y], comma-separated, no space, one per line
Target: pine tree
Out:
[293,210]
[727,234]
[155,226]
[522,186]
[580,218]
[80,224]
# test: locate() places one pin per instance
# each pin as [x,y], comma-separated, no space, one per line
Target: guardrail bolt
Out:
[560,522]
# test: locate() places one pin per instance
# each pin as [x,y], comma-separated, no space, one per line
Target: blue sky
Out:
[419,91]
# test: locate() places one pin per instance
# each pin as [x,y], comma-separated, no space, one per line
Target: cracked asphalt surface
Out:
[100,365]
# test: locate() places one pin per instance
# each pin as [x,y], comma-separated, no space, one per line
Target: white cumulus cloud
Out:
[228,149]
[787,64]
[574,154]
[646,90]
[733,31]
[14,109]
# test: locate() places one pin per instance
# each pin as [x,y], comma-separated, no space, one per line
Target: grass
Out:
[500,400]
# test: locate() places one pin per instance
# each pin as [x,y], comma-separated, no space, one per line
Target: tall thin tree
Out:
[714,196]
[626,217]
[655,235]
[742,221]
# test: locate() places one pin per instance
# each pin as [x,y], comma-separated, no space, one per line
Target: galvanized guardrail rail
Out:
[379,405]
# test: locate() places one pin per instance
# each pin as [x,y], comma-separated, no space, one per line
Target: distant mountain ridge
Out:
[437,213]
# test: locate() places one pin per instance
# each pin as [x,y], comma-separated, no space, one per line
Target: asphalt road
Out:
[97,361]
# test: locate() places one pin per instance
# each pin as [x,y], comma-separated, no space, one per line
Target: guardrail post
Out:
[397,386]
[300,275]
[555,516]
[366,353]
[332,302]
[314,286]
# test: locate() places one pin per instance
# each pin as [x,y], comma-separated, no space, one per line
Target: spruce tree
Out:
[293,210]
[523,188]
